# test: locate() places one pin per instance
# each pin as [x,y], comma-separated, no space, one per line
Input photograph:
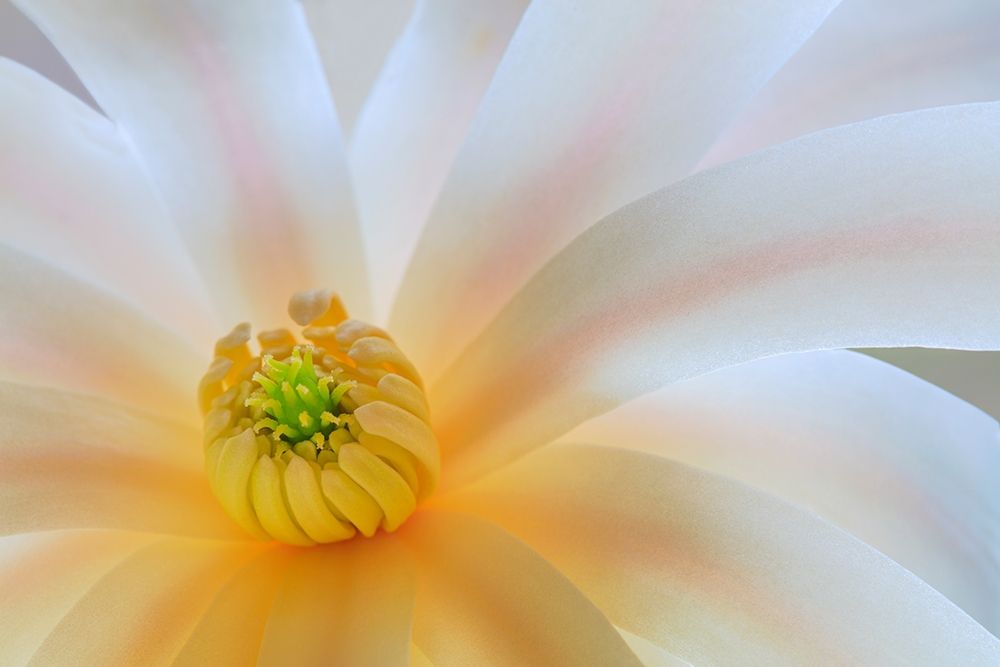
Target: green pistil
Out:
[297,403]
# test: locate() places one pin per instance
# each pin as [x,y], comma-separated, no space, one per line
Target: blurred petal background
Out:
[912,56]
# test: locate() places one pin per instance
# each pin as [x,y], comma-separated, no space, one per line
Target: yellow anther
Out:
[307,444]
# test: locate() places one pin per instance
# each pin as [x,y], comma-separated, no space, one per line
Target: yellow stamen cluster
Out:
[313,442]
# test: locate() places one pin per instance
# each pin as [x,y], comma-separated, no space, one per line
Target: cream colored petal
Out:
[56,330]
[229,631]
[415,119]
[485,598]
[871,58]
[718,573]
[897,462]
[143,610]
[346,604]
[884,233]
[353,38]
[71,461]
[44,574]
[590,108]
[649,653]
[229,108]
[73,193]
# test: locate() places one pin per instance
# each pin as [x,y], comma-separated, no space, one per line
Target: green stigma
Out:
[293,401]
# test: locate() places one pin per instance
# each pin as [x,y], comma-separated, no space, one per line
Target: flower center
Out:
[313,442]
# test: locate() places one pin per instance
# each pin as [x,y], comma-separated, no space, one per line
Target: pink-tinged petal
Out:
[58,331]
[345,604]
[72,192]
[591,107]
[718,573]
[969,374]
[143,610]
[229,631]
[229,108]
[72,461]
[884,233]
[44,574]
[353,38]
[483,597]
[415,120]
[872,58]
[904,466]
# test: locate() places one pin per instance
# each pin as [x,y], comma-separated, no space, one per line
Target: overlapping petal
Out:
[230,629]
[143,609]
[871,58]
[229,108]
[904,466]
[353,38]
[72,192]
[883,233]
[591,107]
[43,575]
[483,597]
[351,602]
[69,461]
[56,330]
[416,118]
[716,572]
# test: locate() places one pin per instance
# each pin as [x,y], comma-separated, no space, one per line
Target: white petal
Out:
[872,58]
[483,597]
[353,38]
[142,611]
[904,466]
[73,192]
[718,573]
[884,233]
[24,43]
[591,107]
[71,461]
[58,331]
[415,120]
[228,106]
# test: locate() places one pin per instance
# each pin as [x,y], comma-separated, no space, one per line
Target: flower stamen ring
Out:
[313,442]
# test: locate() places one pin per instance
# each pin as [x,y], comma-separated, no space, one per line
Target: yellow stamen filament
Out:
[317,441]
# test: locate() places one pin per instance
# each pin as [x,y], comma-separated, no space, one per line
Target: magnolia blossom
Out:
[570,283]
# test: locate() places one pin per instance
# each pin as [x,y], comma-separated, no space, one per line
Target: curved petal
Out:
[22,42]
[72,192]
[884,233]
[44,574]
[718,573]
[897,462]
[353,38]
[416,118]
[230,111]
[872,58]
[76,462]
[58,331]
[352,600]
[969,374]
[143,609]
[485,598]
[590,108]
[229,631]
[649,653]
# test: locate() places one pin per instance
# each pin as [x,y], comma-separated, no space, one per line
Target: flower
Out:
[536,303]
